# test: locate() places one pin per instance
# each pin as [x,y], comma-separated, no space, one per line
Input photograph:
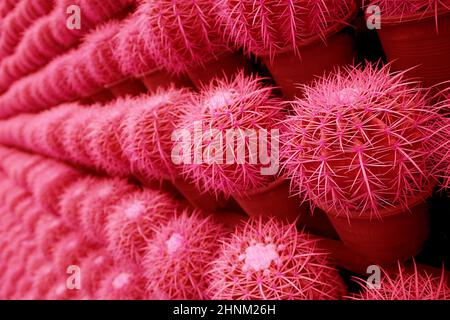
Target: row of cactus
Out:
[374,141]
[160,249]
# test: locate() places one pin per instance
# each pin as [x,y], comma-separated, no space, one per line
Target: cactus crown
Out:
[271,260]
[232,121]
[265,27]
[361,140]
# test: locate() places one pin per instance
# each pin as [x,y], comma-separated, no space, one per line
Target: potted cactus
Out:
[182,38]
[231,108]
[297,40]
[360,146]
[270,260]
[415,35]
[178,258]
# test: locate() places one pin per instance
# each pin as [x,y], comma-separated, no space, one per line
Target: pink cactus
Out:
[361,140]
[106,139]
[416,284]
[71,201]
[132,222]
[122,284]
[148,133]
[45,278]
[269,260]
[238,106]
[48,232]
[180,34]
[70,250]
[99,203]
[442,156]
[93,268]
[178,257]
[132,52]
[23,15]
[266,27]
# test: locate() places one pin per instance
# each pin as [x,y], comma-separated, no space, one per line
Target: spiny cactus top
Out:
[362,140]
[265,27]
[269,260]
[232,129]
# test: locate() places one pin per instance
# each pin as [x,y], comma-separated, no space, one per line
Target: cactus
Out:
[93,267]
[269,260]
[240,105]
[148,129]
[266,27]
[180,34]
[132,221]
[179,255]
[417,284]
[361,140]
[122,283]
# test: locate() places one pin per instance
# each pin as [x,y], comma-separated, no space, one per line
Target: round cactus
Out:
[97,205]
[269,260]
[70,250]
[178,257]
[148,130]
[48,232]
[266,27]
[180,34]
[122,284]
[132,222]
[245,110]
[416,284]
[360,141]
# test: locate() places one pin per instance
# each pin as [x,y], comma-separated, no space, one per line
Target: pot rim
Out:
[331,31]
[274,184]
[418,200]
[413,18]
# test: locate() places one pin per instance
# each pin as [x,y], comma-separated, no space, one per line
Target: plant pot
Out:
[128,87]
[397,234]
[290,71]
[203,201]
[157,79]
[413,42]
[275,201]
[224,66]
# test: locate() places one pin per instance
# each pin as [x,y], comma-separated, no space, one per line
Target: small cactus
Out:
[361,140]
[238,106]
[269,260]
[179,255]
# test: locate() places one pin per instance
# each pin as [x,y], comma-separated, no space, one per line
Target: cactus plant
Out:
[148,129]
[270,260]
[240,105]
[122,283]
[181,33]
[132,222]
[400,8]
[361,141]
[93,267]
[267,27]
[178,257]
[416,284]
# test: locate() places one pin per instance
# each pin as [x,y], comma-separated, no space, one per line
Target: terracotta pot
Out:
[202,201]
[290,71]
[225,66]
[131,86]
[275,201]
[397,234]
[158,79]
[413,42]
